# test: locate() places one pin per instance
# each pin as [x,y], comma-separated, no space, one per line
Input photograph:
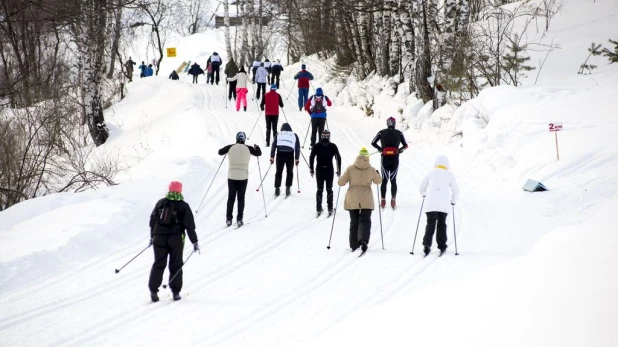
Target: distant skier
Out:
[254,67]
[271,103]
[435,186]
[195,71]
[241,88]
[209,77]
[142,70]
[359,198]
[392,143]
[129,66]
[267,66]
[170,220]
[174,76]
[276,70]
[231,70]
[261,77]
[238,156]
[316,106]
[325,151]
[304,78]
[215,59]
[287,146]
[149,71]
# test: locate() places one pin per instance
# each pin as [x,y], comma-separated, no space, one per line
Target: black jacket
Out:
[296,149]
[276,69]
[325,151]
[195,70]
[174,76]
[389,137]
[184,218]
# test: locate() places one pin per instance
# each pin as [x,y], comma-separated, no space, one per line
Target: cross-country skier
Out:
[435,187]
[170,219]
[287,146]
[316,106]
[261,77]
[129,66]
[270,105]
[276,70]
[174,76]
[215,60]
[392,143]
[196,71]
[241,88]
[238,156]
[304,77]
[142,70]
[267,66]
[324,173]
[254,67]
[359,198]
[231,70]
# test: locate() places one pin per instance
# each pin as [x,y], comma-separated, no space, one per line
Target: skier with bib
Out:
[316,106]
[170,220]
[435,187]
[238,156]
[287,146]
[215,61]
[276,70]
[392,143]
[324,173]
[271,103]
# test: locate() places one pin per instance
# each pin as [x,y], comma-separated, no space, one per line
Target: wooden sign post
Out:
[556,127]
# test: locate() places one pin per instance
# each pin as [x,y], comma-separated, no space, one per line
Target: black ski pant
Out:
[166,245]
[390,167]
[360,227]
[275,80]
[324,175]
[195,78]
[232,90]
[434,218]
[254,70]
[262,87]
[284,159]
[271,123]
[215,74]
[317,126]
[236,191]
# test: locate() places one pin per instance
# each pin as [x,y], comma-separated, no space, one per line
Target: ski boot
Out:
[393,203]
[288,191]
[318,213]
[426,250]
[228,222]
[245,108]
[363,246]
[239,223]
[382,203]
[176,296]
[154,297]
[277,192]
[330,213]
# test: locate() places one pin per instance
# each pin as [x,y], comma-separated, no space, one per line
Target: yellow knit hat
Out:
[364,152]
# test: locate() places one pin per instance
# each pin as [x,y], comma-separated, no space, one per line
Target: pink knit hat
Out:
[175,187]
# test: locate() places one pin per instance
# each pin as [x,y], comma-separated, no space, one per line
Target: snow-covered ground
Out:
[534,269]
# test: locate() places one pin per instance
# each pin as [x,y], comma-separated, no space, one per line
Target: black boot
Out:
[277,191]
[363,245]
[245,108]
[426,250]
[176,296]
[154,297]
[287,191]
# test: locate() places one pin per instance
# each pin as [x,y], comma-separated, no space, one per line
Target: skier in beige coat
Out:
[359,198]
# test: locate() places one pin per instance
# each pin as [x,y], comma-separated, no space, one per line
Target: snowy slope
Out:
[535,269]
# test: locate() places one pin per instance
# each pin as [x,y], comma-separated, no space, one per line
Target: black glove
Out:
[196,247]
[297,162]
[150,244]
[338,173]
[402,149]
[311,172]
[262,108]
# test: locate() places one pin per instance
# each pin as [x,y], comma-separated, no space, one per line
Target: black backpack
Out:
[318,106]
[167,215]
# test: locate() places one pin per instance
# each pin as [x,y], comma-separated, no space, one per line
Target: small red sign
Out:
[555,126]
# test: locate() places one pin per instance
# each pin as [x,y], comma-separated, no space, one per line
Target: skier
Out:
[390,141]
[435,186]
[215,60]
[170,220]
[195,71]
[254,67]
[209,78]
[238,156]
[174,76]
[287,145]
[241,88]
[129,66]
[142,70]
[149,71]
[325,151]
[276,70]
[231,70]
[271,103]
[316,106]
[261,77]
[359,198]
[267,66]
[304,77]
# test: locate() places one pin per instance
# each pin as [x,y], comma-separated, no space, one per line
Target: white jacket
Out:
[261,75]
[435,187]
[241,77]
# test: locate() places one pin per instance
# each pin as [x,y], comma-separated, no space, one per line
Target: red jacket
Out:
[271,102]
[304,77]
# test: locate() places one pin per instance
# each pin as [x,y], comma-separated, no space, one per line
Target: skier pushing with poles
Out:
[271,103]
[238,175]
[169,220]
[435,187]
[304,77]
[287,146]
[316,106]
[324,151]
[390,141]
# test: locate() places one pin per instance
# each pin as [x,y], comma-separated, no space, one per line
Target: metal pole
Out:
[263,198]
[213,179]
[334,216]
[417,223]
[179,270]
[256,121]
[455,231]
[307,134]
[380,213]
[118,270]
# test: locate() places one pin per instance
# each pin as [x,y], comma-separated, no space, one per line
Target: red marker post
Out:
[555,128]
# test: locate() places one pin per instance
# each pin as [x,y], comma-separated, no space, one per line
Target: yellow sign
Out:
[171,52]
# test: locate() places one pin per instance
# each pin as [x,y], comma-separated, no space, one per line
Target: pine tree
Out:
[513,63]
[593,50]
[612,56]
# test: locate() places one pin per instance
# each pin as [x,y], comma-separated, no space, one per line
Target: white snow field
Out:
[535,269]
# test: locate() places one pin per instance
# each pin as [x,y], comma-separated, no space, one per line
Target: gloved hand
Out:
[338,174]
[402,149]
[150,243]
[196,247]
[272,161]
[261,107]
[311,172]
[297,162]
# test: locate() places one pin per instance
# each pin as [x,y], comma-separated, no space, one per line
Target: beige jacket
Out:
[360,175]
[238,157]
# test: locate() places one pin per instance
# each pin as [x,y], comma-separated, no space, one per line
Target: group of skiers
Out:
[144,70]
[172,217]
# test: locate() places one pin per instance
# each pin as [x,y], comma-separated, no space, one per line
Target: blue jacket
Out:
[325,101]
[148,72]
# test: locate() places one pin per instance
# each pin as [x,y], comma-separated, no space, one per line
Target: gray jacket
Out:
[238,156]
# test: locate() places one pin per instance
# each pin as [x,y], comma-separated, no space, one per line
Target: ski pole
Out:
[118,270]
[307,134]
[263,198]
[297,179]
[374,152]
[261,182]
[179,270]
[334,216]
[286,117]
[312,86]
[256,121]
[306,162]
[380,213]
[455,231]
[225,92]
[417,223]
[211,182]
[290,93]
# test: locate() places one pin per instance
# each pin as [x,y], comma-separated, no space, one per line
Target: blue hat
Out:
[273,87]
[303,66]
[319,92]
